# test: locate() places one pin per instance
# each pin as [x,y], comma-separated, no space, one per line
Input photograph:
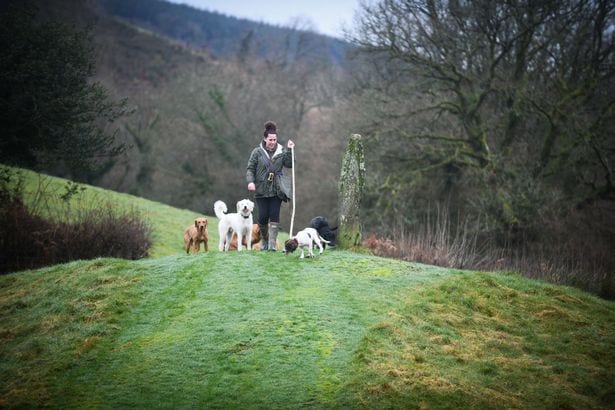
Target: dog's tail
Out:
[220,209]
[319,237]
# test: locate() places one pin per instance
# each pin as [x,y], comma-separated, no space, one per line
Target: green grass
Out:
[264,330]
[486,340]
[43,192]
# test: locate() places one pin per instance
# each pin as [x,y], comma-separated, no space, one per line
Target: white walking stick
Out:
[292,217]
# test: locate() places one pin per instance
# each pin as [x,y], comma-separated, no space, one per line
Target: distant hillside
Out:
[197,113]
[218,34]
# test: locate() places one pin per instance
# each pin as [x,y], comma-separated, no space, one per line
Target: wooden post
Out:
[292,217]
[352,180]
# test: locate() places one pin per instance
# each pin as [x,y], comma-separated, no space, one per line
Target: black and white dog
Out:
[321,225]
[306,238]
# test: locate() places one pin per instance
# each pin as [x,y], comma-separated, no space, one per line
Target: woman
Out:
[263,174]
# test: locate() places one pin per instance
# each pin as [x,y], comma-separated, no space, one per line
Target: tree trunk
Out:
[352,180]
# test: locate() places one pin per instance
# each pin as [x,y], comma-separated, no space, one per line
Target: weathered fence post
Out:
[352,180]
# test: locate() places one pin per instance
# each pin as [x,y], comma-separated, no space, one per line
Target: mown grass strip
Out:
[250,329]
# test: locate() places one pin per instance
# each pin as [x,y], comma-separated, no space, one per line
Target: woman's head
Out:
[270,135]
[270,128]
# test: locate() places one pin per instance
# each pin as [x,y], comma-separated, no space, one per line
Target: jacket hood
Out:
[278,150]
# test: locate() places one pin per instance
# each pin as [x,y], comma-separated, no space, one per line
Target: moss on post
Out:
[352,180]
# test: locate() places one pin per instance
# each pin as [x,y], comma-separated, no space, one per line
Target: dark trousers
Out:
[268,210]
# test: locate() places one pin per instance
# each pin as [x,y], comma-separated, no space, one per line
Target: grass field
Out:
[264,330]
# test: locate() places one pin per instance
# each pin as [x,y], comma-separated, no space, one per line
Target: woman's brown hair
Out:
[270,128]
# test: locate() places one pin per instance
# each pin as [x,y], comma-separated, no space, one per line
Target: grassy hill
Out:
[43,192]
[264,330]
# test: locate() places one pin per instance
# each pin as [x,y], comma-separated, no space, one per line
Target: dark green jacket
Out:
[258,171]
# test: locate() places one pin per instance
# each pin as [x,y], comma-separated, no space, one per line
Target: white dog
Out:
[305,238]
[240,223]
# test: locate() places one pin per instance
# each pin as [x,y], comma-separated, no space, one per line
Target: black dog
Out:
[321,224]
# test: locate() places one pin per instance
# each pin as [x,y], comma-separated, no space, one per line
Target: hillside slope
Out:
[262,330]
[219,34]
[265,330]
[42,193]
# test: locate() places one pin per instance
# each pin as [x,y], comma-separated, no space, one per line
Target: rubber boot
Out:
[274,227]
[264,243]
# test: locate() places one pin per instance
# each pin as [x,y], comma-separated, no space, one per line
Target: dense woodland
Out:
[496,116]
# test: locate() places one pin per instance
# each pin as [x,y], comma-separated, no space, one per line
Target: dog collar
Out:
[245,217]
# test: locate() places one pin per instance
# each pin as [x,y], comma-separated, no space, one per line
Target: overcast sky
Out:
[327,16]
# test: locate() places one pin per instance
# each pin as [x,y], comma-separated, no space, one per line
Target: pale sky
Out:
[327,16]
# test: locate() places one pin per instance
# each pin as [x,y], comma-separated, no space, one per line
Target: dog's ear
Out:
[206,221]
[196,223]
[290,245]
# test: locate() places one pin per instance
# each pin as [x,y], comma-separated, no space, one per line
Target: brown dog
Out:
[256,239]
[194,235]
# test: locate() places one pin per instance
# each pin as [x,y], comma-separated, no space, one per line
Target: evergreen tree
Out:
[52,115]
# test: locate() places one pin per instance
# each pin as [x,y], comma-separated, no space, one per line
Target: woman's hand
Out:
[290,144]
[251,187]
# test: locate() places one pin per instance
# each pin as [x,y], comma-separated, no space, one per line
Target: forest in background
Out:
[196,111]
[498,116]
[503,114]
[218,105]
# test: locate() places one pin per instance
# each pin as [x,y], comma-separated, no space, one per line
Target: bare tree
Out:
[507,105]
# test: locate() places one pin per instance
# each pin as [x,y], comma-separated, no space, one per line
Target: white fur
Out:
[239,222]
[307,238]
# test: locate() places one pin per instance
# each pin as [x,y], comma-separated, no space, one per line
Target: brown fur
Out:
[291,245]
[195,234]
[256,239]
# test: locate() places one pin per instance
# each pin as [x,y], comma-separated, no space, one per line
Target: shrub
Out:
[29,241]
[575,252]
[434,241]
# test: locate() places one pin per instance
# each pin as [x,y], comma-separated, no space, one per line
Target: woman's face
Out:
[271,141]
